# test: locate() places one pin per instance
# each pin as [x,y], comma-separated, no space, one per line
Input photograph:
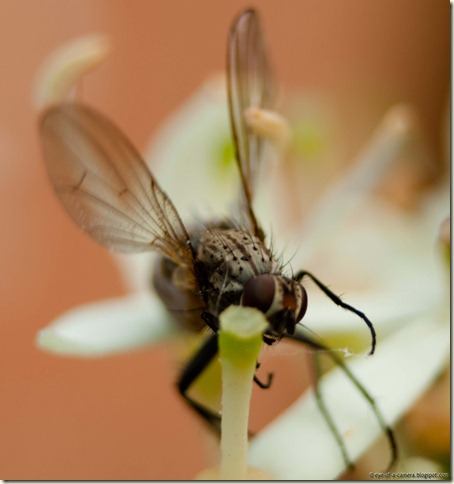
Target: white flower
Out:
[384,258]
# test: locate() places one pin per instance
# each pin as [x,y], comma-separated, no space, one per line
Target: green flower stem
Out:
[240,340]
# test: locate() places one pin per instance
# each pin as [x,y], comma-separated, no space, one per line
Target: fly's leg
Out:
[325,412]
[259,382]
[211,321]
[317,346]
[197,366]
[192,371]
[337,300]
[319,397]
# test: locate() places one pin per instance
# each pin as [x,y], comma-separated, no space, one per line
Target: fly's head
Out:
[283,301]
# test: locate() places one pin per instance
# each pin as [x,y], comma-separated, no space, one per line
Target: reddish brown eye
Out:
[303,308]
[259,292]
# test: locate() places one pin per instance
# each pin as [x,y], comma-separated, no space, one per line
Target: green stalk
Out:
[240,340]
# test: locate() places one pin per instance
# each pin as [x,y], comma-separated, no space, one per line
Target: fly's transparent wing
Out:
[250,84]
[105,186]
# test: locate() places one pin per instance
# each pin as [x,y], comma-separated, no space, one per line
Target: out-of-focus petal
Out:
[298,445]
[193,158]
[107,327]
[390,140]
[66,66]
[136,269]
[192,155]
[385,262]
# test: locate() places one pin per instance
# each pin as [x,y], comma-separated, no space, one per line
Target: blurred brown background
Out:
[119,417]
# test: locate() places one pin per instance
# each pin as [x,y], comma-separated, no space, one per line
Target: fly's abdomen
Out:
[185,304]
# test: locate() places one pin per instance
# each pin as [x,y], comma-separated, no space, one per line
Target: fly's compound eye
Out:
[259,292]
[303,304]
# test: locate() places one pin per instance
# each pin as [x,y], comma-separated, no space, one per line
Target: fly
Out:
[106,187]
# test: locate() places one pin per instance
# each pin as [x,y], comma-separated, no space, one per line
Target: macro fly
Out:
[106,187]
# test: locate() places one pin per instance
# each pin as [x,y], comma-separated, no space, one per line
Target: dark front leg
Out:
[320,347]
[260,383]
[337,300]
[191,373]
[198,364]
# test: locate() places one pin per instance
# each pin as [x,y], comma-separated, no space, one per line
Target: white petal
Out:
[373,163]
[298,444]
[136,270]
[107,327]
[186,155]
[192,157]
[385,263]
[386,310]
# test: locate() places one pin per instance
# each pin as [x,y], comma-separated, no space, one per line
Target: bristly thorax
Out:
[228,258]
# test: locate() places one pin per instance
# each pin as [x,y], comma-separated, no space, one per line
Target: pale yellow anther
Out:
[62,71]
[269,125]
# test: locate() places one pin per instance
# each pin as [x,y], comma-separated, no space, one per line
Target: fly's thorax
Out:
[283,301]
[229,258]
